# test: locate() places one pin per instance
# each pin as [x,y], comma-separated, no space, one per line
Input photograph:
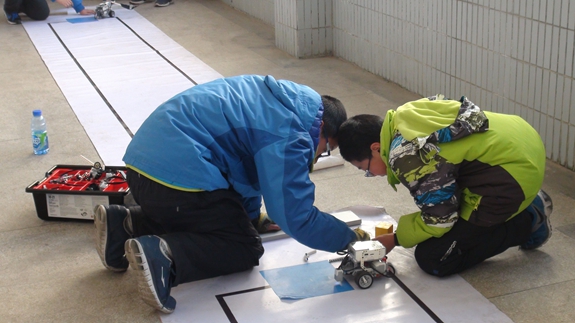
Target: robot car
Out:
[364,260]
[104,9]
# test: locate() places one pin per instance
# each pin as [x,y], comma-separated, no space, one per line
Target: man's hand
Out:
[387,240]
[264,224]
[65,3]
[361,235]
[86,12]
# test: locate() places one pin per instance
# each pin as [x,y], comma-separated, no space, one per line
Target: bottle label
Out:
[40,140]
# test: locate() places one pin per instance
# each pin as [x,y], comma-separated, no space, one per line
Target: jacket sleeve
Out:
[288,193]
[431,181]
[78,6]
[253,206]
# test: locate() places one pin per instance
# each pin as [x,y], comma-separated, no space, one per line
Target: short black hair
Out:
[333,115]
[357,134]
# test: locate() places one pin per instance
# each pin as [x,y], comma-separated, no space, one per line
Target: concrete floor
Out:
[50,272]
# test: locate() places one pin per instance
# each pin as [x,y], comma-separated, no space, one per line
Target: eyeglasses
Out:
[368,173]
[327,152]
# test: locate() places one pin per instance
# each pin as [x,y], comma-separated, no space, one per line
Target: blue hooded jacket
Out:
[251,133]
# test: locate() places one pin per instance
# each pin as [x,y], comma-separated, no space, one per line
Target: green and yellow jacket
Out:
[459,162]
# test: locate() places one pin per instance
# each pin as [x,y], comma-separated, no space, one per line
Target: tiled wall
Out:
[261,9]
[510,56]
[304,27]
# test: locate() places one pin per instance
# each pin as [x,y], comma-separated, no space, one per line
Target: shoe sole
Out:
[139,263]
[101,237]
[163,4]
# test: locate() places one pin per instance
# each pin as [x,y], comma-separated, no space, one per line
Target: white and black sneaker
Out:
[163,3]
[13,18]
[110,235]
[149,257]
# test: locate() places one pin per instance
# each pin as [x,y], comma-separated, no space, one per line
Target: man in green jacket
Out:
[475,175]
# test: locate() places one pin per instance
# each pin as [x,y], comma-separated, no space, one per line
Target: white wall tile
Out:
[564,13]
[563,141]
[569,54]
[543,101]
[571,147]
[556,94]
[566,102]
[553,132]
[529,8]
[518,82]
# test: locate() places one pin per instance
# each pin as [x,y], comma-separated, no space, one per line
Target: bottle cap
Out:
[37,113]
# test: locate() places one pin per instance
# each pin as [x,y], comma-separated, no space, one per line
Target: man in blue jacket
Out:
[198,169]
[38,9]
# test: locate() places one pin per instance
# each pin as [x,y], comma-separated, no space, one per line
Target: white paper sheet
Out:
[115,72]
[248,300]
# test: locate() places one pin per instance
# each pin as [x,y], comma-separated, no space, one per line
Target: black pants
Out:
[35,9]
[466,245]
[209,233]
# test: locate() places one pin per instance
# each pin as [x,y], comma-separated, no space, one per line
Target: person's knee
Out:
[425,262]
[36,9]
[39,15]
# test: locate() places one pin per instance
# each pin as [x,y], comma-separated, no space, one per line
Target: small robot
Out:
[104,9]
[365,260]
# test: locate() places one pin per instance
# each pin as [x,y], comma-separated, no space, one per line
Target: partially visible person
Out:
[475,175]
[158,3]
[38,9]
[198,168]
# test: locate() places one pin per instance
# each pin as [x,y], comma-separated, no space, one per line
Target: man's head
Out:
[333,116]
[359,143]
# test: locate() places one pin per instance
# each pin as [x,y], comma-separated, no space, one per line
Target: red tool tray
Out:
[73,191]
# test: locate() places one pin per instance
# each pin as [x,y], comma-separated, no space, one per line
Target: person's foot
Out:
[163,3]
[264,224]
[541,208]
[13,18]
[110,236]
[137,2]
[148,256]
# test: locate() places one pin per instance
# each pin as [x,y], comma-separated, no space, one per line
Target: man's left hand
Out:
[86,12]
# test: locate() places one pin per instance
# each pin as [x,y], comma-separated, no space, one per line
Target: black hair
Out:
[333,115]
[356,135]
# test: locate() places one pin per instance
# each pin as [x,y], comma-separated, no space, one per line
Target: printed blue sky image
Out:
[304,281]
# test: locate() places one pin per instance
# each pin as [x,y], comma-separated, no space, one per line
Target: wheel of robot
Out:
[390,271]
[112,14]
[99,14]
[363,279]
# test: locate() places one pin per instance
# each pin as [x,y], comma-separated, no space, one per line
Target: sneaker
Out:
[148,255]
[137,2]
[13,18]
[541,208]
[111,235]
[163,3]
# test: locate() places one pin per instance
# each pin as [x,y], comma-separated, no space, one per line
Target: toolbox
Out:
[71,192]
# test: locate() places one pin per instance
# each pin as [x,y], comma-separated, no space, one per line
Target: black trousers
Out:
[209,233]
[466,245]
[35,9]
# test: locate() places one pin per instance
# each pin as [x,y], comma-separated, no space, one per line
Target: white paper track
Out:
[114,72]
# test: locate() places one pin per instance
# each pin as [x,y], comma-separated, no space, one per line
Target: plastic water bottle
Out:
[39,133]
